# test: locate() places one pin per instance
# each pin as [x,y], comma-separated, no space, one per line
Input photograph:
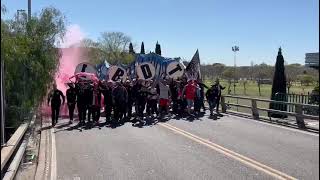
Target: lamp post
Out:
[235,49]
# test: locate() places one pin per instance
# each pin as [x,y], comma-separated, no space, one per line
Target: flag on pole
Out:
[193,68]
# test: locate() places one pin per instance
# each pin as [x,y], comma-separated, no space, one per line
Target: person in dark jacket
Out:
[106,90]
[218,88]
[212,95]
[130,99]
[54,96]
[120,99]
[96,103]
[71,94]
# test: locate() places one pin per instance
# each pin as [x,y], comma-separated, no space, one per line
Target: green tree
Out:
[31,59]
[261,73]
[228,74]
[131,50]
[278,86]
[114,46]
[142,49]
[158,49]
[305,79]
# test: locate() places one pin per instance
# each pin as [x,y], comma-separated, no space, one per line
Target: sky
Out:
[258,27]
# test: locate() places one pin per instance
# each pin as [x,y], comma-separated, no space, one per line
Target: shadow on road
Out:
[146,122]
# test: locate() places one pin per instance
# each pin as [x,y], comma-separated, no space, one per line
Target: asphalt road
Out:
[227,148]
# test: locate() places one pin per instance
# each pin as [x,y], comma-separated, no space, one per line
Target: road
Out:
[226,148]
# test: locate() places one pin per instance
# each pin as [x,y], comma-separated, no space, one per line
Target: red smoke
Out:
[71,56]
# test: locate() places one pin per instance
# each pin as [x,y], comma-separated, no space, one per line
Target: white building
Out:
[312,60]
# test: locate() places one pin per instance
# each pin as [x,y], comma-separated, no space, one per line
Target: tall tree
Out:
[31,60]
[115,45]
[131,51]
[142,48]
[279,86]
[158,49]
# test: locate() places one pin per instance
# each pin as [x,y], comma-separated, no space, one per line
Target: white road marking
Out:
[278,126]
[53,156]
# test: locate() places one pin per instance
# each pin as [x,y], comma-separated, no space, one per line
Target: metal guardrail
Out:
[300,116]
[7,151]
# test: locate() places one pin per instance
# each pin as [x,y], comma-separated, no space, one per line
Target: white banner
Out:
[117,73]
[175,70]
[85,67]
[145,71]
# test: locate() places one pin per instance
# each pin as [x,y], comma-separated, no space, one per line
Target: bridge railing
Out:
[298,114]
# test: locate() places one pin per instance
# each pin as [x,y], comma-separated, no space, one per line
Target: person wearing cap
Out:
[54,98]
[71,94]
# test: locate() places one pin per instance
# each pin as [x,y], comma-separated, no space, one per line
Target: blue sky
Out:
[258,27]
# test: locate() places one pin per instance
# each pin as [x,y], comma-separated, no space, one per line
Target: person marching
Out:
[106,90]
[152,101]
[54,96]
[96,103]
[189,92]
[120,99]
[128,87]
[197,99]
[218,89]
[71,94]
[212,95]
[164,94]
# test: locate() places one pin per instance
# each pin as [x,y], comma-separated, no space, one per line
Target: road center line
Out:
[245,160]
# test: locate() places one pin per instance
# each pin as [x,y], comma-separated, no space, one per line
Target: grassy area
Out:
[252,91]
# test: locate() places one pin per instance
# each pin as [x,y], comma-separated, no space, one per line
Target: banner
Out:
[145,71]
[85,67]
[193,68]
[175,70]
[116,73]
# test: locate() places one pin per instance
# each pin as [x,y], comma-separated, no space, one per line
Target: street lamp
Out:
[234,49]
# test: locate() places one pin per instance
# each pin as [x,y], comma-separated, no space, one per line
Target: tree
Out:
[229,75]
[158,49]
[131,51]
[244,82]
[94,52]
[278,86]
[292,70]
[305,79]
[114,46]
[29,51]
[261,72]
[142,48]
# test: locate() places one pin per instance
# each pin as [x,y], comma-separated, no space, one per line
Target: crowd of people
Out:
[135,100]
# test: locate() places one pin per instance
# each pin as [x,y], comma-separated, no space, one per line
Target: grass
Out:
[252,91]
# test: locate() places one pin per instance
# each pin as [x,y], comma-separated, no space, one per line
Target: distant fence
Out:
[300,99]
[299,108]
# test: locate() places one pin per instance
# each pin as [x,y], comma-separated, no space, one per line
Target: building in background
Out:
[312,60]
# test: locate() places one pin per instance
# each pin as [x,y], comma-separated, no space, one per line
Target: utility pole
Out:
[3,142]
[29,10]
